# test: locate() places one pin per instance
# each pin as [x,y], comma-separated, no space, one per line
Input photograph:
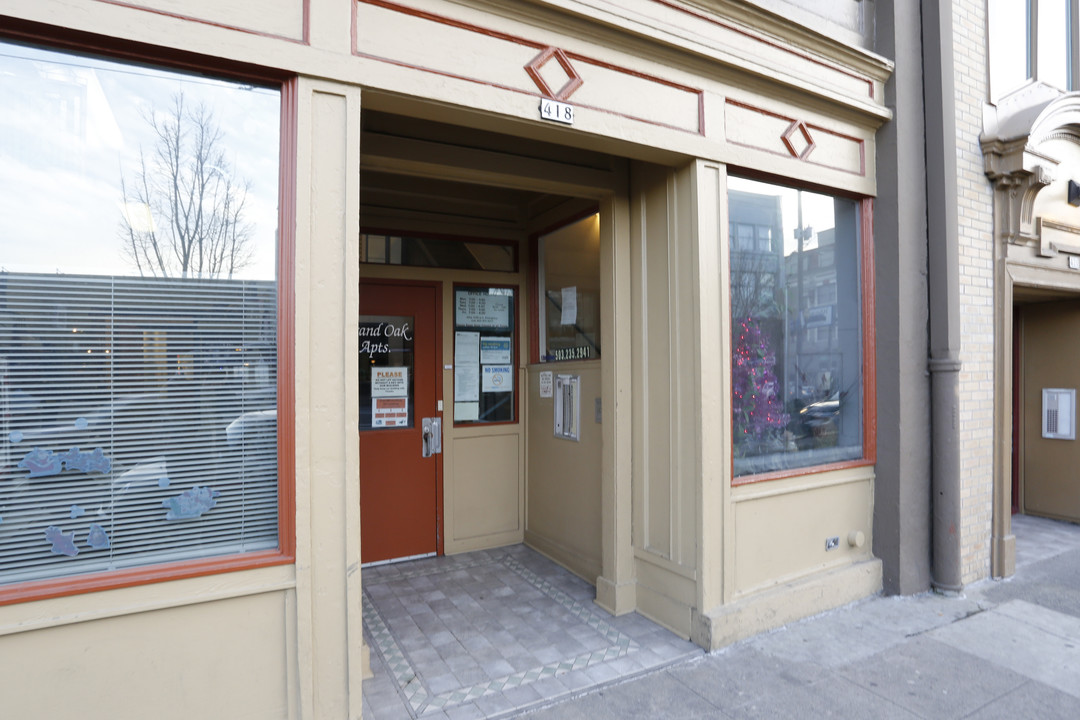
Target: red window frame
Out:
[517,345]
[869,358]
[73,41]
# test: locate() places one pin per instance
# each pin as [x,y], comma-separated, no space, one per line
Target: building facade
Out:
[1022,260]
[294,287]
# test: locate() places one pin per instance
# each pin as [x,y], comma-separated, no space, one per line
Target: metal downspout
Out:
[944,292]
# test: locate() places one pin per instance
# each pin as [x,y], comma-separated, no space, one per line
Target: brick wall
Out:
[975,218]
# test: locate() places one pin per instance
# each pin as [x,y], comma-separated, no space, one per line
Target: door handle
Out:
[431,436]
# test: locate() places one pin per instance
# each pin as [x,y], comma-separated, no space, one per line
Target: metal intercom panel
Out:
[1059,413]
[568,407]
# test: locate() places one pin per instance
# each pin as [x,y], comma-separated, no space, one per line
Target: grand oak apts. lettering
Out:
[372,334]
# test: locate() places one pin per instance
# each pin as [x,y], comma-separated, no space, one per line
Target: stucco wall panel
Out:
[780,532]
[563,477]
[220,660]
[278,18]
[478,49]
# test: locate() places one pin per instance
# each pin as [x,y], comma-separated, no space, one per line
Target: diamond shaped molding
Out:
[534,66]
[798,141]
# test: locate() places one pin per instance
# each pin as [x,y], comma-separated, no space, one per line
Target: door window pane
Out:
[796,313]
[386,371]
[485,355]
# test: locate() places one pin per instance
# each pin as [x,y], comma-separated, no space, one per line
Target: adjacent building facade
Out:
[294,287]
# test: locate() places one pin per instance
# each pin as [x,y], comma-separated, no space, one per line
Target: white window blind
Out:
[138,421]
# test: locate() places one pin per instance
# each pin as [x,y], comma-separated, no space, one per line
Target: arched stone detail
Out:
[1015,159]
[1014,199]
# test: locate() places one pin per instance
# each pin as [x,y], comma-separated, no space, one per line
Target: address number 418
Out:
[556,111]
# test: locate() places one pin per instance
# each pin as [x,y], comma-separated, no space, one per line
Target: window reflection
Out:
[138,331]
[796,310]
[569,280]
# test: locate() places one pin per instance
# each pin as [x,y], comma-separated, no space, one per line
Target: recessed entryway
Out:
[495,631]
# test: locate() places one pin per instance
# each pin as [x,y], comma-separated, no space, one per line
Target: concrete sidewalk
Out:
[1002,649]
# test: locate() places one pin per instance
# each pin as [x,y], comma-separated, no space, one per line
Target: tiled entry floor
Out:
[491,633]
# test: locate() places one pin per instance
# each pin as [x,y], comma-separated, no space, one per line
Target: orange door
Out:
[399,487]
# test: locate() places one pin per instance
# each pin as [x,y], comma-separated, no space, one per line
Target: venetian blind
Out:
[137,421]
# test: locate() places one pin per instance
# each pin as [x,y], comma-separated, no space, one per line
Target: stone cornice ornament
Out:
[1014,157]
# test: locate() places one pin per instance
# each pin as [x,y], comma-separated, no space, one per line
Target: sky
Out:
[71,125]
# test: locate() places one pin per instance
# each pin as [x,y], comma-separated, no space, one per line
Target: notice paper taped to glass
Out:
[465,411]
[498,378]
[389,412]
[466,367]
[569,306]
[495,350]
[480,309]
[389,382]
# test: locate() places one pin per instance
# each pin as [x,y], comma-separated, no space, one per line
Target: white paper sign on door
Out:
[389,382]
[495,351]
[389,412]
[466,366]
[498,378]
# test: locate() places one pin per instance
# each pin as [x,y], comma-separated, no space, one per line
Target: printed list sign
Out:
[480,310]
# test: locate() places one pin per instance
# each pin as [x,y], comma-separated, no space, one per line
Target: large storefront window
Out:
[797,337]
[138,330]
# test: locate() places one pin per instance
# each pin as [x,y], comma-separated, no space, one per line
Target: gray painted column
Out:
[902,485]
[944,282]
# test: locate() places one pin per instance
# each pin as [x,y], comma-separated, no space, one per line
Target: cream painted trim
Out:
[292,655]
[55,612]
[708,190]
[821,591]
[462,432]
[430,159]
[359,661]
[615,588]
[736,34]
[802,483]
[1040,277]
[663,563]
[328,585]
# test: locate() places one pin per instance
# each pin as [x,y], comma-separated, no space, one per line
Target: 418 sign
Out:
[557,111]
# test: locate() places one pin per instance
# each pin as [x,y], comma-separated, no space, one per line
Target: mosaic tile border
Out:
[421,701]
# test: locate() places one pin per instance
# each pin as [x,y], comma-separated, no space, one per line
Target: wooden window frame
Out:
[869,342]
[61,39]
